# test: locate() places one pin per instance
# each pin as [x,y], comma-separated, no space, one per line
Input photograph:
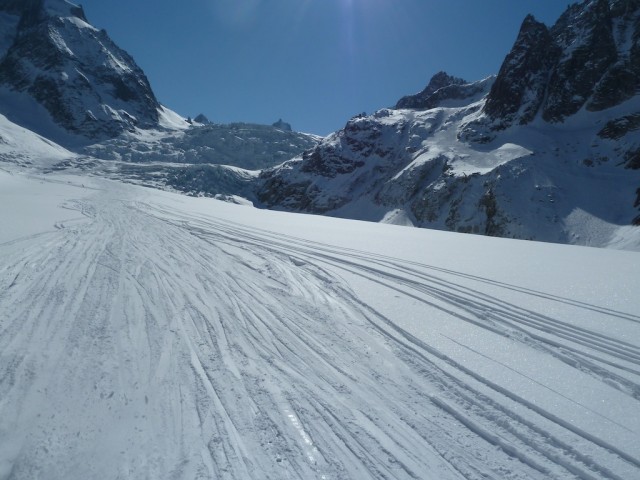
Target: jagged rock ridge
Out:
[87,84]
[589,59]
[424,99]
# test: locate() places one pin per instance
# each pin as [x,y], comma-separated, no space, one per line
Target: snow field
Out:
[172,337]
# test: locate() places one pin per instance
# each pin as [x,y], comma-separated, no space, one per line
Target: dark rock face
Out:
[590,58]
[17,7]
[339,159]
[208,179]
[442,86]
[89,86]
[328,164]
[362,138]
[585,34]
[622,81]
[616,129]
[294,196]
[519,89]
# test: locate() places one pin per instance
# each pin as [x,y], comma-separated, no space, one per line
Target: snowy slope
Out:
[21,146]
[145,334]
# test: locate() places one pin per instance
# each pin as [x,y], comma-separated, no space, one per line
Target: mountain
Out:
[68,83]
[588,61]
[202,119]
[55,64]
[441,87]
[546,150]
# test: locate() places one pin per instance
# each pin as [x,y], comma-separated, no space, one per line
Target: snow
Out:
[19,145]
[144,334]
[28,212]
[398,217]
[60,43]
[79,23]
[171,120]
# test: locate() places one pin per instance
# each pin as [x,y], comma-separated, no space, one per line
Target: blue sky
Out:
[314,63]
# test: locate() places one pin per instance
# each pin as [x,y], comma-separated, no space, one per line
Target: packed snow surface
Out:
[145,334]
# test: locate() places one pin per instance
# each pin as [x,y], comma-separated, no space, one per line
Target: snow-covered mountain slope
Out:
[51,58]
[23,147]
[145,334]
[561,183]
[547,150]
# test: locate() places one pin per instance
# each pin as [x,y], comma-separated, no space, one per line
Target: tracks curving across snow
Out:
[152,341]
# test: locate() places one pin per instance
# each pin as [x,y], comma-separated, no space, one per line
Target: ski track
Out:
[144,343]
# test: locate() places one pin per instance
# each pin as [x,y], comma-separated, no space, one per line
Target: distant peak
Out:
[441,86]
[530,23]
[202,118]
[282,125]
[531,31]
[63,8]
[443,79]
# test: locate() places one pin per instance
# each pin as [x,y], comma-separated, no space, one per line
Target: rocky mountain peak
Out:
[63,8]
[584,33]
[427,98]
[590,58]
[440,80]
[520,87]
[89,86]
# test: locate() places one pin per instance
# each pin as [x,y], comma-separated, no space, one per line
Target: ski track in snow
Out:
[150,343]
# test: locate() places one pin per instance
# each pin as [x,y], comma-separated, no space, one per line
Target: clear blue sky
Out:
[313,63]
